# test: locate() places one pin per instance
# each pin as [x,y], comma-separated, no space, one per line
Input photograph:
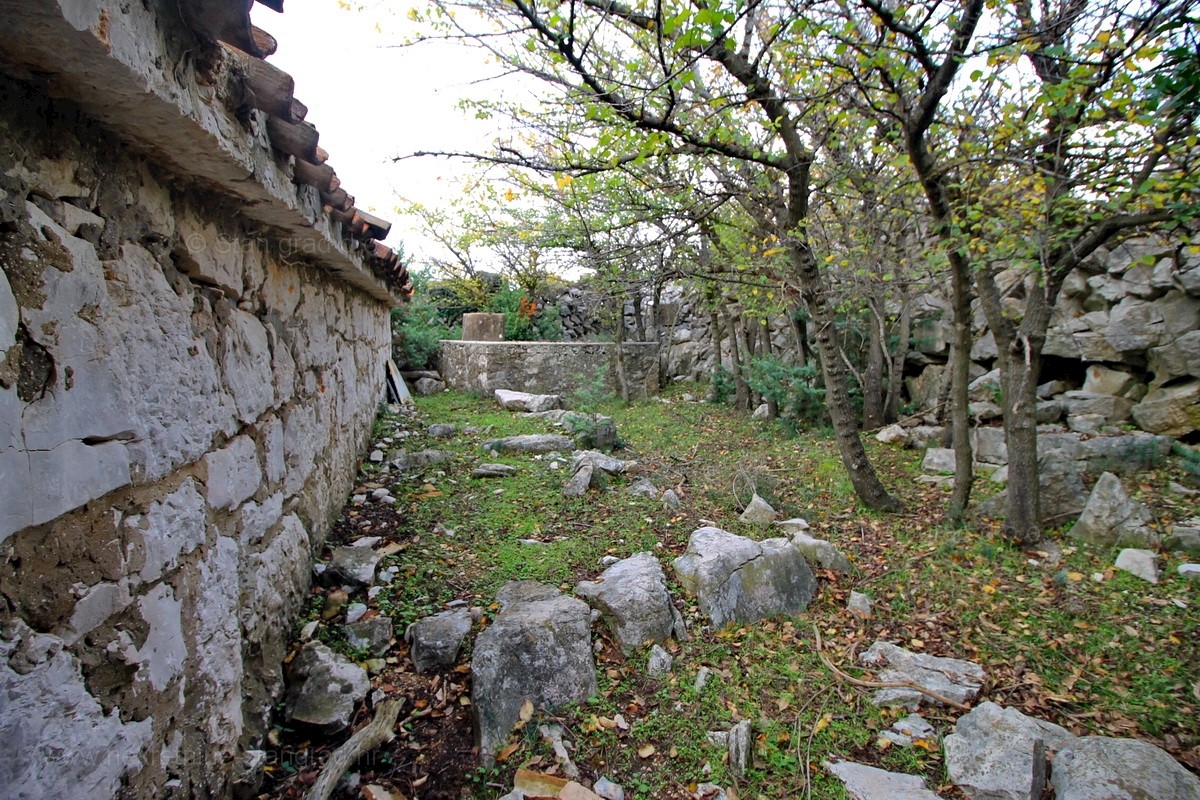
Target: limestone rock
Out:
[671,501]
[1142,563]
[373,635]
[821,553]
[579,482]
[893,434]
[871,783]
[1190,571]
[1100,768]
[1134,326]
[324,687]
[736,579]
[938,459]
[988,445]
[355,564]
[1176,359]
[1000,754]
[642,486]
[1100,379]
[493,471]
[529,443]
[860,605]
[436,640]
[421,459]
[523,401]
[659,663]
[1111,517]
[632,596]
[905,732]
[1184,536]
[442,430]
[538,650]
[758,512]
[954,678]
[602,461]
[607,789]
[1173,410]
[741,748]
[985,387]
[428,386]
[763,412]
[1113,409]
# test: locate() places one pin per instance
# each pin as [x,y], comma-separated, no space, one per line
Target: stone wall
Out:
[183,400]
[545,367]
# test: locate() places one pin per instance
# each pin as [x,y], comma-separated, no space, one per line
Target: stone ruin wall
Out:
[545,367]
[182,406]
[1124,339]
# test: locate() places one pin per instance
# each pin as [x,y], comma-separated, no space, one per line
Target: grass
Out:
[1112,656]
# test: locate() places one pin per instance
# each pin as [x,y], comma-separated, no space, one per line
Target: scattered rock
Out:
[953,678]
[376,456]
[794,525]
[632,595]
[324,687]
[660,662]
[670,500]
[602,461]
[579,482]
[1111,517]
[909,730]
[736,579]
[535,649]
[428,386]
[702,676]
[529,443]
[354,564]
[1000,754]
[523,401]
[1142,563]
[1181,490]
[871,783]
[607,789]
[893,434]
[1184,536]
[554,735]
[436,640]
[763,412]
[741,748]
[1100,768]
[493,471]
[938,460]
[644,487]
[821,553]
[355,612]
[1190,571]
[859,605]
[373,635]
[442,430]
[758,512]
[421,459]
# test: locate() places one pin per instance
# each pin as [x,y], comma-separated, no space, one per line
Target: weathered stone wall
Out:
[545,367]
[182,405]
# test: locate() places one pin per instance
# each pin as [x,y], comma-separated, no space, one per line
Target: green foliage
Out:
[793,389]
[417,326]
[524,319]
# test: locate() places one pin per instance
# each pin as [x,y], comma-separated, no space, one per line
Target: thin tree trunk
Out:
[639,321]
[753,399]
[765,338]
[873,378]
[896,378]
[741,390]
[862,474]
[960,420]
[800,328]
[622,377]
[718,335]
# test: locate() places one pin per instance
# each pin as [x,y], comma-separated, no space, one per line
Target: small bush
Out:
[720,385]
[793,389]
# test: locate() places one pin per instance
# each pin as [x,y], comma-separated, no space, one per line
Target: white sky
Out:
[371,101]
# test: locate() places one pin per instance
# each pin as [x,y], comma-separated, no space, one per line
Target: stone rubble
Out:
[871,783]
[1111,517]
[324,688]
[435,640]
[1142,563]
[633,599]
[758,512]
[953,678]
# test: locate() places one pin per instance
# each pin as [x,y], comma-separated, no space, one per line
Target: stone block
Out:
[234,474]
[483,327]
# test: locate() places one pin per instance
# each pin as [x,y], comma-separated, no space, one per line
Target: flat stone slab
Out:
[953,678]
[821,552]
[736,579]
[871,783]
[1100,768]
[529,443]
[524,401]
[355,564]
[538,650]
[493,471]
[633,599]
[434,641]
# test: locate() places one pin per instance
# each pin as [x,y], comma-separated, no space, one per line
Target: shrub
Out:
[793,389]
[417,326]
[720,385]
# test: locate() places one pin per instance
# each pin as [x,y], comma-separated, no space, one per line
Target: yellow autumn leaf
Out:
[510,195]
[774,251]
[1074,576]
[646,750]
[564,181]
[526,712]
[823,723]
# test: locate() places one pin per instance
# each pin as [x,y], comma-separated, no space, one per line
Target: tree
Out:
[699,80]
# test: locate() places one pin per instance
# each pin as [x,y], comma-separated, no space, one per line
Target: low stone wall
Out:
[183,401]
[545,367]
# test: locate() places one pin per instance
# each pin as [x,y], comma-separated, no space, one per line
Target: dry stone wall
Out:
[545,367]
[183,401]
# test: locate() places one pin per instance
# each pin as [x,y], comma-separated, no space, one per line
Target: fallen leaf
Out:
[526,712]
[507,751]
[823,723]
[646,750]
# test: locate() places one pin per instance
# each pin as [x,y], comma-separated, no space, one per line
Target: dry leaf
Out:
[526,712]
[823,723]
[646,750]
[507,751]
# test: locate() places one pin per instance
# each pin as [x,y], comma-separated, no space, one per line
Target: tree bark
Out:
[741,390]
[749,400]
[622,378]
[891,411]
[873,376]
[765,338]
[960,420]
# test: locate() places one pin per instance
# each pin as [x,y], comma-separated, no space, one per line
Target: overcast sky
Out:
[372,101]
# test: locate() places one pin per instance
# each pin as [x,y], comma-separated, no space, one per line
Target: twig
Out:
[378,731]
[941,698]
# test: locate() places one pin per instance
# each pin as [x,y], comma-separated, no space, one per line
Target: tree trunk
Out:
[718,335]
[873,378]
[622,378]
[741,390]
[862,474]
[639,321]
[749,400]
[960,420]
[896,378]
[765,338]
